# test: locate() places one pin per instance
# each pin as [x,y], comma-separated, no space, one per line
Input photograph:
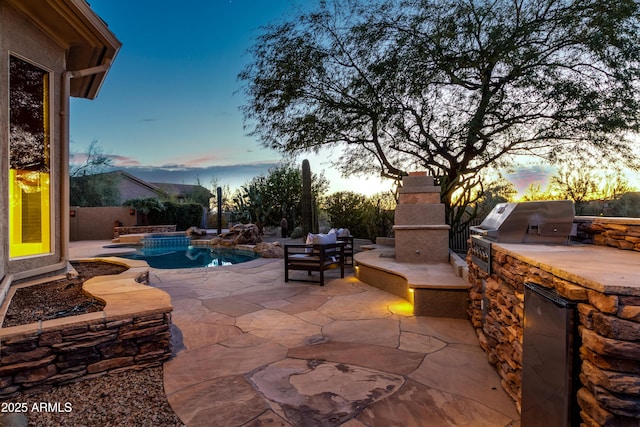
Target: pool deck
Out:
[252,350]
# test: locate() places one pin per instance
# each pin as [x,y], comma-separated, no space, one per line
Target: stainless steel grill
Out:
[549,221]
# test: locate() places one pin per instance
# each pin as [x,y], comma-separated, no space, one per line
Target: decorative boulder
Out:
[225,242]
[247,234]
[215,241]
[195,232]
[269,250]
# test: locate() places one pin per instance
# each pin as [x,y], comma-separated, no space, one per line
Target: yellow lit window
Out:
[29,156]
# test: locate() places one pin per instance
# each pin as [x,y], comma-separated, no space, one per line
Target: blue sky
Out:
[170,102]
[169,108]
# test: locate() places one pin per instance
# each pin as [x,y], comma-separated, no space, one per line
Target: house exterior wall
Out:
[132,190]
[20,37]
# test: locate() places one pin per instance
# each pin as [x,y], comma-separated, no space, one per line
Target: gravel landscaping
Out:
[131,398]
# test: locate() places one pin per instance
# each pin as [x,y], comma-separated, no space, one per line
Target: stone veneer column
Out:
[421,235]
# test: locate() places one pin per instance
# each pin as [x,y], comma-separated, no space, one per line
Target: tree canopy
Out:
[364,216]
[448,86]
[88,185]
[275,195]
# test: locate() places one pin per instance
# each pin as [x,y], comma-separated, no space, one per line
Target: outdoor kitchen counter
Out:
[603,269]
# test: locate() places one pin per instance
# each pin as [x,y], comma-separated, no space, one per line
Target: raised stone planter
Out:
[132,332]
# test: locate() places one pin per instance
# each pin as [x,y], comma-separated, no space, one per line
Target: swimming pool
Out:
[190,257]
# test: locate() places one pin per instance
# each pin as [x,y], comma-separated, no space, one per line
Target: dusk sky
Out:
[168,110]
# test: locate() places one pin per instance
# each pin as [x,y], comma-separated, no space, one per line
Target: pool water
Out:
[191,257]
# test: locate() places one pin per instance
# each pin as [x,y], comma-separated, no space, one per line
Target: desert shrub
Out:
[183,215]
[365,216]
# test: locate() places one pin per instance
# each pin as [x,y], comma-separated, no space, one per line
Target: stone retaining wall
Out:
[60,352]
[609,393]
[621,233]
[132,332]
[141,229]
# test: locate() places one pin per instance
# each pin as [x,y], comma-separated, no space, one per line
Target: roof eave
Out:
[73,25]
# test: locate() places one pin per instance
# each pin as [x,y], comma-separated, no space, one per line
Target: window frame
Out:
[50,130]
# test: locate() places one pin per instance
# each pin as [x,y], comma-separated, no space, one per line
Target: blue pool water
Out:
[190,257]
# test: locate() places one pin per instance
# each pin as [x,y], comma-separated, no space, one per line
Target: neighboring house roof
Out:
[179,190]
[134,188]
[142,184]
[73,25]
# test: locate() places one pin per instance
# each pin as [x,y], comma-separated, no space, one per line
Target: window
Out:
[29,160]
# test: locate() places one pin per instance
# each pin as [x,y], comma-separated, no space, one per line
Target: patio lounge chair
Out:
[348,249]
[314,257]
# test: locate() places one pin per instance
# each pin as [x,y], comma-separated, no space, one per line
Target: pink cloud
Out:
[202,160]
[196,160]
[118,161]
[523,176]
[124,161]
[77,158]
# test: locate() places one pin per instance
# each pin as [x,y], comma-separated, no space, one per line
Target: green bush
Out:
[297,233]
[181,214]
[365,217]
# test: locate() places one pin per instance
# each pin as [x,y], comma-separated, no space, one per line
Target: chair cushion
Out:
[321,239]
[344,232]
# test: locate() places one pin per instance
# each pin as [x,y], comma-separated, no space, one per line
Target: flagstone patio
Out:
[252,350]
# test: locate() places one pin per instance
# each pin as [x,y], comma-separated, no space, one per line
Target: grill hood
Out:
[549,221]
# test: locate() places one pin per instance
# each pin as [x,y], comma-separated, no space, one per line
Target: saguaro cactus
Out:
[306,200]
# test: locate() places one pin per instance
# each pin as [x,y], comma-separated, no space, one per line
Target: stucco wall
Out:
[97,223]
[20,37]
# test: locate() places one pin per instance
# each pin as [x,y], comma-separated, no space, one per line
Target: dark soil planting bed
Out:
[58,298]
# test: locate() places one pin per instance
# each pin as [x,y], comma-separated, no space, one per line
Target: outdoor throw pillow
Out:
[321,239]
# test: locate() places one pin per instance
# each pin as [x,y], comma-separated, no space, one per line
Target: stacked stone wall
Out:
[609,389]
[621,233]
[500,332]
[67,350]
[142,229]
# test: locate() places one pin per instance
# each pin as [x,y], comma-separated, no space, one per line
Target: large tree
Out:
[89,186]
[450,86]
